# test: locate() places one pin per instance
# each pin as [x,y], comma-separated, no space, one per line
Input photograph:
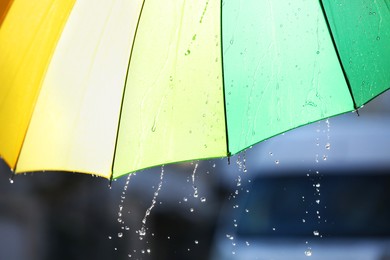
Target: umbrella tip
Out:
[357,112]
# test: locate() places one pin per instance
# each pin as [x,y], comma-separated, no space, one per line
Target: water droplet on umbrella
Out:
[196,242]
[277,162]
[120,234]
[327,146]
[378,38]
[308,252]
[11,180]
[191,209]
[316,233]
[203,199]
[185,199]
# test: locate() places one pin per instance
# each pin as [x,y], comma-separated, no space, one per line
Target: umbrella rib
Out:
[223,84]
[338,55]
[124,90]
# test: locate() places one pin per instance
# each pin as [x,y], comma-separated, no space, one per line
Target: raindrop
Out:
[188,52]
[308,252]
[229,236]
[185,199]
[191,209]
[142,231]
[193,180]
[277,162]
[247,243]
[120,234]
[318,201]
[203,199]
[238,182]
[244,169]
[109,237]
[273,229]
[324,157]
[303,220]
[11,180]
[154,127]
[378,38]
[316,233]
[318,52]
[327,146]
[196,242]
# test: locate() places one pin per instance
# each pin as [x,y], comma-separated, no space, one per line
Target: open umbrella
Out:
[109,87]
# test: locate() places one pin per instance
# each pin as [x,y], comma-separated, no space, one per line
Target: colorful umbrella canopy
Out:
[108,87]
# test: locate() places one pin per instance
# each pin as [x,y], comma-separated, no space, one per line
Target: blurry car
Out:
[318,192]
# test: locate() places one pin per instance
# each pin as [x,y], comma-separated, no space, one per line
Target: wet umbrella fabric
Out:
[116,86]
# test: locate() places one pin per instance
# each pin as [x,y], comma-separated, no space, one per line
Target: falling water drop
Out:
[193,180]
[308,252]
[142,231]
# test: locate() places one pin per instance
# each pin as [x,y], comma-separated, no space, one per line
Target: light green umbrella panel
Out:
[116,86]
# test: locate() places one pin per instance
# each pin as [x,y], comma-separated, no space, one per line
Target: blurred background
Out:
[320,191]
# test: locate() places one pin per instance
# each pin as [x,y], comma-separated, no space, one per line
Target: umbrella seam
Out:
[223,83]
[338,54]
[124,91]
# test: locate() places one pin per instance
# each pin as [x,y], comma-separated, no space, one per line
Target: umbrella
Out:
[109,87]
